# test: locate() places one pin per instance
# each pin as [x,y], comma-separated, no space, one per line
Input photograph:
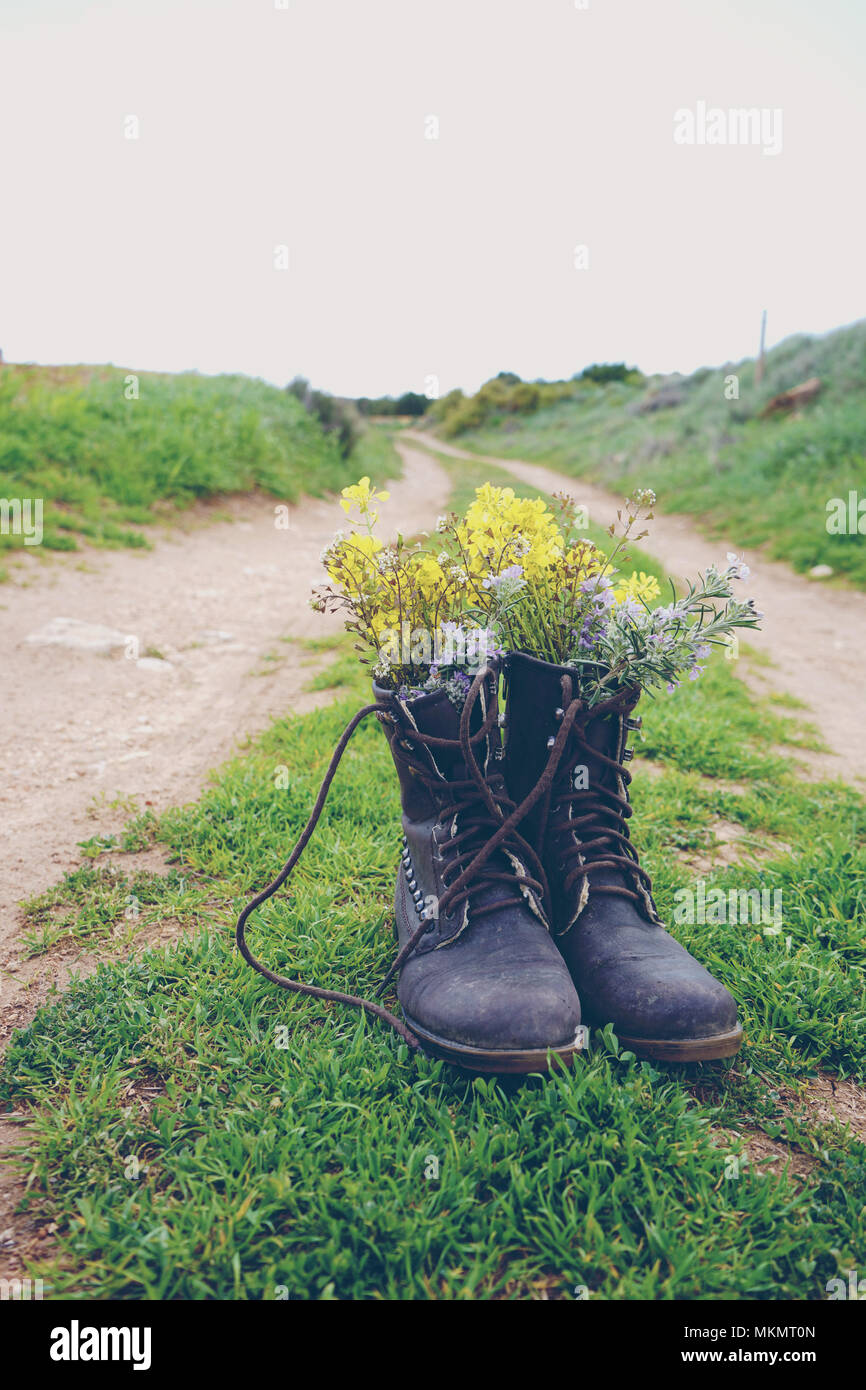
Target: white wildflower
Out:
[737,567]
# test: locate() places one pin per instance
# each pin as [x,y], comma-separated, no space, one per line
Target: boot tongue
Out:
[602,734]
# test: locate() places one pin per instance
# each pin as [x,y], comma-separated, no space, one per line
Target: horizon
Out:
[396,392]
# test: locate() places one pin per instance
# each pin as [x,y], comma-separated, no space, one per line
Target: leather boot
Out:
[627,969]
[481,980]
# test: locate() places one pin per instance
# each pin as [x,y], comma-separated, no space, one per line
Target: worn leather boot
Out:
[482,982]
[628,971]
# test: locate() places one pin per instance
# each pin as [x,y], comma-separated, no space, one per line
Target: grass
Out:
[94,904]
[285,1142]
[374,456]
[760,482]
[106,466]
[196,1133]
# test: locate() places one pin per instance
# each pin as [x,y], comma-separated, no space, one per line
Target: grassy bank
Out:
[105,465]
[763,482]
[199,1134]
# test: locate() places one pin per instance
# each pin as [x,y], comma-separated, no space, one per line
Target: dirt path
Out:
[90,724]
[95,724]
[812,634]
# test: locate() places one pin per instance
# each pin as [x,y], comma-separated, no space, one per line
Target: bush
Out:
[338,418]
[411,403]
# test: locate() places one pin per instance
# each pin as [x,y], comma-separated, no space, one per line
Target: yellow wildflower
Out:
[586,559]
[639,586]
[362,495]
[429,576]
[501,528]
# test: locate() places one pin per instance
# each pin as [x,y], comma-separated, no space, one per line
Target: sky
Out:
[427,172]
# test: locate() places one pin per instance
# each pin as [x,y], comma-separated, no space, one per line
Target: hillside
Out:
[767,480]
[104,463]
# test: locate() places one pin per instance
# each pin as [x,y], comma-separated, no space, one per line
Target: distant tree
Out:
[411,403]
[609,371]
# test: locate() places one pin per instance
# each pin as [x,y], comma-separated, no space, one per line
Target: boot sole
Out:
[504,1061]
[685,1049]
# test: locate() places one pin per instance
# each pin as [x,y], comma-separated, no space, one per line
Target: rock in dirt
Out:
[153,663]
[80,636]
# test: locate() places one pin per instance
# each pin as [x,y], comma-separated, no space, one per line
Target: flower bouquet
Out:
[514,575]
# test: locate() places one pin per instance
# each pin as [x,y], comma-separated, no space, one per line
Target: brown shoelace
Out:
[471,863]
[603,812]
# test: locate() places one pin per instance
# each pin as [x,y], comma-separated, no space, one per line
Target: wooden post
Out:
[759,369]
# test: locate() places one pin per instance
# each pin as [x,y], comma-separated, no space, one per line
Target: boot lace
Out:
[598,836]
[487,823]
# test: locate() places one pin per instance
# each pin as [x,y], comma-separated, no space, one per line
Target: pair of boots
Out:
[522,912]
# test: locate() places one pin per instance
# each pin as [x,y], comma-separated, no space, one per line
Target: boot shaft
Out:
[435,716]
[534,707]
[454,801]
[584,819]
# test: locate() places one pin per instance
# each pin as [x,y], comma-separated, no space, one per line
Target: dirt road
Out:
[812,634]
[129,674]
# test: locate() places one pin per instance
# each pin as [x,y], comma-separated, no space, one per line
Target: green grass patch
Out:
[105,465]
[199,1134]
[100,904]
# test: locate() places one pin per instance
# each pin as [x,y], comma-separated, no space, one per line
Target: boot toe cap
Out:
[480,1003]
[648,986]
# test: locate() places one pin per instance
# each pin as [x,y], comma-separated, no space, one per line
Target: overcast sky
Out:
[412,258]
